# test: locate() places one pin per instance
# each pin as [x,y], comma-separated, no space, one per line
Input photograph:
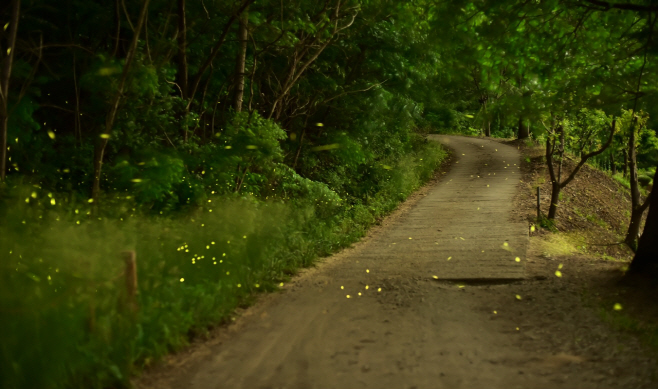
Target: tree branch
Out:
[215,50]
[606,6]
[585,157]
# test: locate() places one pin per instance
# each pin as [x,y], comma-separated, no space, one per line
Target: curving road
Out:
[417,332]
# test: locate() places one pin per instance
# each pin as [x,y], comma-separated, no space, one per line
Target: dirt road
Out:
[374,316]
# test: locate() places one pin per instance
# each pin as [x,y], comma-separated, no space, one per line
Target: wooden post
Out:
[129,258]
[538,205]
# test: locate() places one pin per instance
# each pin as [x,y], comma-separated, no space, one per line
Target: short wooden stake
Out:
[130,260]
[538,205]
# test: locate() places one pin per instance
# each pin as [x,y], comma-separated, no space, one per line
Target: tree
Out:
[581,137]
[645,260]
[5,78]
[240,61]
[637,206]
[105,135]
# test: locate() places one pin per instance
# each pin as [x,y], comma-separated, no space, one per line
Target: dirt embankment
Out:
[374,315]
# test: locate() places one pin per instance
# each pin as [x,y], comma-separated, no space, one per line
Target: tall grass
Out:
[64,319]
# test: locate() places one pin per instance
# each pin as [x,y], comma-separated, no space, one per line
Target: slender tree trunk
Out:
[99,151]
[634,227]
[613,168]
[625,163]
[181,37]
[4,85]
[181,58]
[556,179]
[646,256]
[555,198]
[485,120]
[240,63]
[636,207]
[523,131]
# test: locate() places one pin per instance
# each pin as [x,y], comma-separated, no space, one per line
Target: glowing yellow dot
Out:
[342,287]
[379,289]
[182,279]
[239,285]
[52,201]
[449,258]
[281,284]
[517,328]
[617,307]
[460,286]
[367,287]
[228,272]
[558,273]
[487,185]
[348,296]
[495,312]
[244,236]
[532,228]
[410,238]
[517,259]
[367,271]
[257,285]
[359,293]
[505,244]
[435,277]
[559,266]
[518,297]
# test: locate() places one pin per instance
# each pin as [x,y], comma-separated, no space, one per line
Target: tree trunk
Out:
[240,63]
[555,198]
[4,85]
[99,151]
[523,131]
[636,207]
[181,76]
[625,163]
[634,227]
[3,141]
[646,256]
[486,126]
[613,168]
